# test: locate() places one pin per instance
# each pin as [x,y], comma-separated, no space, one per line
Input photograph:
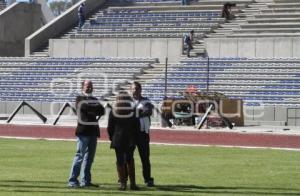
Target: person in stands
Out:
[81,17]
[188,42]
[227,12]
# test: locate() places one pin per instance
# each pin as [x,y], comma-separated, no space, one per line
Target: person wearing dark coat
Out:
[143,109]
[122,130]
[89,111]
[188,41]
[81,17]
[227,12]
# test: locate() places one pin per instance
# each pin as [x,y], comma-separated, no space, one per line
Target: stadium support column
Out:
[207,77]
[166,77]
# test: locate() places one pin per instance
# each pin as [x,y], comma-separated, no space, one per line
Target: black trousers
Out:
[143,141]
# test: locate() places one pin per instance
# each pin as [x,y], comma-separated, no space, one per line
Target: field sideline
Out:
[41,167]
[165,136]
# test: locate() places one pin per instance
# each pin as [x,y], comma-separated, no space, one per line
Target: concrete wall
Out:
[59,25]
[16,23]
[268,115]
[45,108]
[149,47]
[253,47]
[271,115]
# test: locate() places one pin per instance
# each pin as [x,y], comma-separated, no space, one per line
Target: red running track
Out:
[164,136]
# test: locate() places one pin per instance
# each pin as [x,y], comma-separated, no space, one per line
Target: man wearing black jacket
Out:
[89,111]
[143,108]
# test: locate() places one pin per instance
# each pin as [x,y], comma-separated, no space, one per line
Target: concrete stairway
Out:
[152,73]
[199,48]
[44,52]
[264,19]
[198,51]
[149,74]
[241,18]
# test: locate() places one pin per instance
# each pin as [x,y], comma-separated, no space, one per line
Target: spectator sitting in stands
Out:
[188,42]
[227,12]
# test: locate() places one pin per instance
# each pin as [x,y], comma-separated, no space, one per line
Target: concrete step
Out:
[272,20]
[216,35]
[39,54]
[257,5]
[278,15]
[258,35]
[272,25]
[223,31]
[261,30]
[250,12]
[236,20]
[229,25]
[285,1]
[242,15]
[284,5]
[281,10]
[197,50]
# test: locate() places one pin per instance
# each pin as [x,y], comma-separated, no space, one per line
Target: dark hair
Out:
[123,104]
[137,84]
[228,4]
[192,31]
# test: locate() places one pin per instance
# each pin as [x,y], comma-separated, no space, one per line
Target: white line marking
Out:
[158,143]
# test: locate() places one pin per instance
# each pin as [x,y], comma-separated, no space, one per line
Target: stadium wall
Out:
[277,47]
[59,25]
[253,115]
[140,47]
[17,22]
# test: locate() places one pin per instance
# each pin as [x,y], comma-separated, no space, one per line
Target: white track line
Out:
[158,143]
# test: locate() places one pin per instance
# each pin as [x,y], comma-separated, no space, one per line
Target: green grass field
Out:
[38,167]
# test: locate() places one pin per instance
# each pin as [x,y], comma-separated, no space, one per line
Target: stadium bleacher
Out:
[55,79]
[269,19]
[258,82]
[141,22]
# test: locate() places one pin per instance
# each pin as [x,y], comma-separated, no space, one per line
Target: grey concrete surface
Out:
[16,23]
[253,47]
[58,25]
[267,115]
[153,47]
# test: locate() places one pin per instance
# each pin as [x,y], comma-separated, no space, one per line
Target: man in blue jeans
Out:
[89,111]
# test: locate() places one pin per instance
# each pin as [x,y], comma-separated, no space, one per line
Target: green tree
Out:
[58,7]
